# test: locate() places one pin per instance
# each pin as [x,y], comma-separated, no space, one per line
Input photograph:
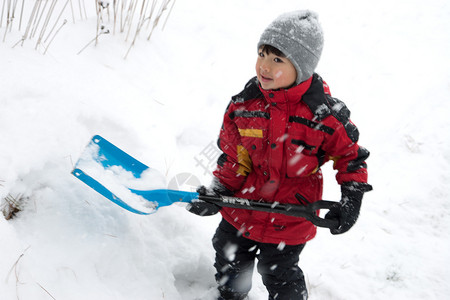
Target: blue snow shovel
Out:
[108,155]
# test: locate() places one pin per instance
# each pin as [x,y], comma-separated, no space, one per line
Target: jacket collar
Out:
[293,94]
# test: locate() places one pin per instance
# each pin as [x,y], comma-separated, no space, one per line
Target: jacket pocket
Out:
[301,156]
[301,199]
[252,138]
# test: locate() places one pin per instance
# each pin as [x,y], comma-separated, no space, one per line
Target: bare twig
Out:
[130,18]
[1,15]
[168,14]
[107,12]
[13,14]
[33,13]
[93,40]
[14,266]
[84,9]
[149,15]
[36,24]
[73,13]
[139,25]
[125,20]
[122,7]
[47,20]
[8,18]
[51,40]
[158,16]
[21,14]
[115,8]
[79,5]
[36,19]
[59,16]
[152,10]
[45,290]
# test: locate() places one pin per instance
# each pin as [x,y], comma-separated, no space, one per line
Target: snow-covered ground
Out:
[388,60]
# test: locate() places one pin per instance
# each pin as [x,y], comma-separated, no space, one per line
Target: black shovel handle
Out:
[308,212]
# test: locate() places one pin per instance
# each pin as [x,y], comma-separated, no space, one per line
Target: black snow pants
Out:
[277,264]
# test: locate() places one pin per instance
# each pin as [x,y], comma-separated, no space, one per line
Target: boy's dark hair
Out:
[271,50]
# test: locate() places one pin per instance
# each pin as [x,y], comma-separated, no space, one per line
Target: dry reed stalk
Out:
[143,18]
[45,291]
[14,267]
[21,14]
[13,14]
[79,6]
[168,14]
[36,17]
[122,7]
[130,22]
[148,16]
[93,40]
[30,20]
[38,20]
[152,10]
[128,14]
[115,9]
[84,9]
[47,20]
[57,20]
[162,8]
[3,11]
[139,25]
[73,12]
[7,19]
[51,40]
[107,13]
[99,18]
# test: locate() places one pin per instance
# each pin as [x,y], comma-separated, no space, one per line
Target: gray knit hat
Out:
[299,36]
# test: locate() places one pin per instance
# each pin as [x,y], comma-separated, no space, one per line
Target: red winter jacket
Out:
[274,143]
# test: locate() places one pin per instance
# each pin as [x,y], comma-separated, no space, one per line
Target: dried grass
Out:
[128,18]
[11,205]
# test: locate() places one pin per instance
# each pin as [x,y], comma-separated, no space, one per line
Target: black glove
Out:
[347,210]
[203,208]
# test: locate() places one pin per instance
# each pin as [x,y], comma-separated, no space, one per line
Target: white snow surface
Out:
[387,60]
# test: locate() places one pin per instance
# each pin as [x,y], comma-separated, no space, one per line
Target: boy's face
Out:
[274,72]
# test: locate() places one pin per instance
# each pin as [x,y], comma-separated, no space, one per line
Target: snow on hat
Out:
[299,36]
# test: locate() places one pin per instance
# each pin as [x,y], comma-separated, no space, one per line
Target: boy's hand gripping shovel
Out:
[102,164]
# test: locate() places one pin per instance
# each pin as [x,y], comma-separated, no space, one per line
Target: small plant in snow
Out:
[11,205]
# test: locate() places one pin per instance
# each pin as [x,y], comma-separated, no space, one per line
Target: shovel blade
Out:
[110,155]
[112,172]
[102,190]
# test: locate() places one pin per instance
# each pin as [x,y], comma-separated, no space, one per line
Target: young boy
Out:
[276,135]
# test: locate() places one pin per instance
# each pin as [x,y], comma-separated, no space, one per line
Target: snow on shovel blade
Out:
[101,189]
[119,177]
[110,155]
